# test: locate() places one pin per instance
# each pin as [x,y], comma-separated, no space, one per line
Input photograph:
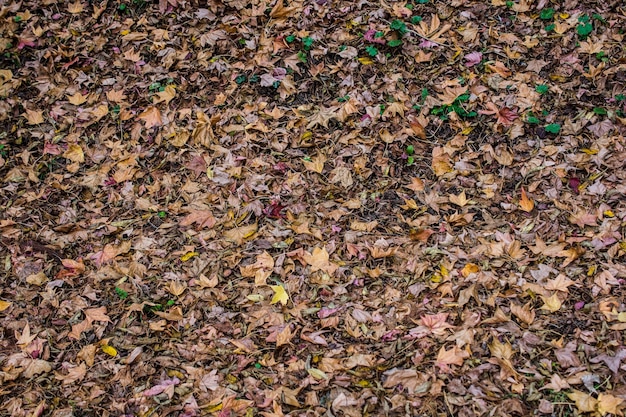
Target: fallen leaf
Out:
[280,294]
[526,203]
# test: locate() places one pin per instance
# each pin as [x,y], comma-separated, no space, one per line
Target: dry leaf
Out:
[239,234]
[526,203]
[152,117]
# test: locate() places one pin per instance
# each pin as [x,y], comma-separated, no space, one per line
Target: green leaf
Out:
[121,293]
[379,34]
[395,42]
[290,38]
[598,17]
[532,120]
[399,26]
[371,50]
[620,97]
[553,128]
[410,160]
[599,111]
[416,19]
[584,30]
[547,14]
[302,57]
[542,88]
[410,150]
[550,27]
[583,18]
[307,42]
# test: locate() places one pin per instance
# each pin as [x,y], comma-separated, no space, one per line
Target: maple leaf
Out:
[608,403]
[525,313]
[505,116]
[152,117]
[167,95]
[24,338]
[201,218]
[552,303]
[454,356]
[239,234]
[316,164]
[410,379]
[74,374]
[584,402]
[34,117]
[319,260]
[556,384]
[526,203]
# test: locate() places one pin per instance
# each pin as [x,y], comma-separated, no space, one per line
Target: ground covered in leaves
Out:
[318,207]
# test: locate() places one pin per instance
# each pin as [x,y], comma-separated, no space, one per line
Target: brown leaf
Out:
[524,313]
[152,117]
[201,218]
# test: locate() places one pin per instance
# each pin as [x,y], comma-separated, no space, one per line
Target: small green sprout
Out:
[371,50]
[553,128]
[121,293]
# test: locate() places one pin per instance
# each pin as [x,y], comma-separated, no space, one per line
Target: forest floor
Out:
[320,207]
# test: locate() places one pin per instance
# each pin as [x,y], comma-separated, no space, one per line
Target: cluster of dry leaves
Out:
[275,207]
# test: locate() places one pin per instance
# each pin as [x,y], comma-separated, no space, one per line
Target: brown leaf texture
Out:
[284,208]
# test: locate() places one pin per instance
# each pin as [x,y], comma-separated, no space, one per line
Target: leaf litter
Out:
[306,208]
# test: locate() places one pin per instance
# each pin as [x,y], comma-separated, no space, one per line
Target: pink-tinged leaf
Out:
[52,149]
[327,312]
[425,43]
[24,42]
[159,388]
[602,128]
[315,337]
[370,36]
[473,59]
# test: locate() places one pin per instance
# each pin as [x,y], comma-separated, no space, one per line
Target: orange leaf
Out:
[152,117]
[526,203]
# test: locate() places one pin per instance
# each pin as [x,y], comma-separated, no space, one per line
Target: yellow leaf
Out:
[188,256]
[255,298]
[280,294]
[4,305]
[589,151]
[109,350]
[551,303]
[469,269]
[526,203]
[366,61]
[74,153]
